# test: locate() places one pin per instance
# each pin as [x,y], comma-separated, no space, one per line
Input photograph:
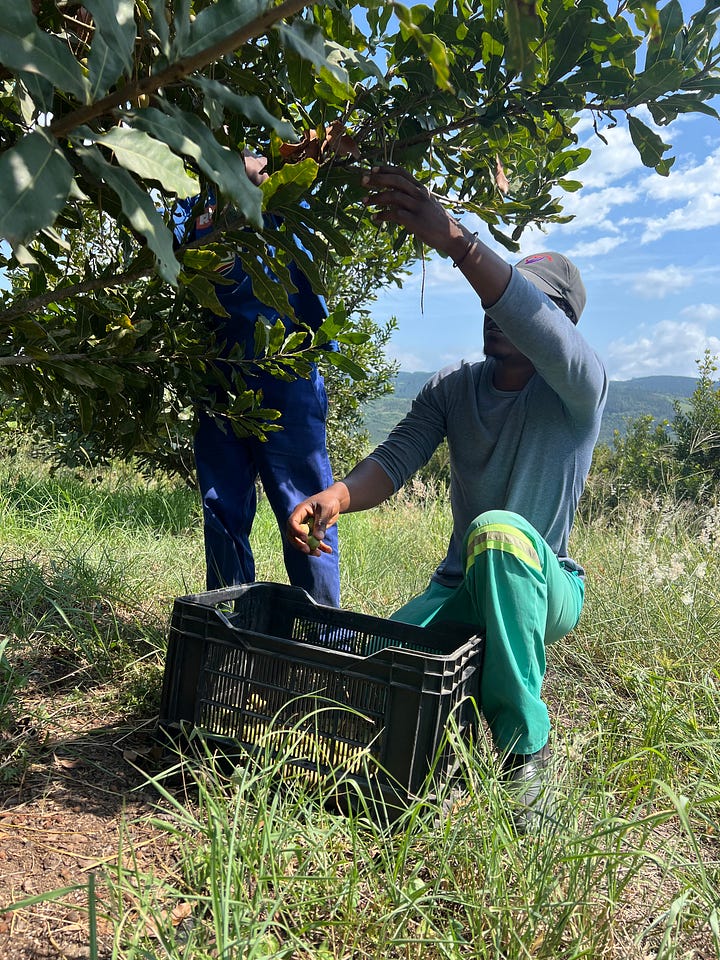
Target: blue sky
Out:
[648,248]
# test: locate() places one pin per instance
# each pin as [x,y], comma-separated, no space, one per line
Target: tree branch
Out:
[64,293]
[176,71]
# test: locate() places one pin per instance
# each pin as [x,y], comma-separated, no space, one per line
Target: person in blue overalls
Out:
[290,463]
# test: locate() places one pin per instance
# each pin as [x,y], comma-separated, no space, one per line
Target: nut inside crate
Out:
[263,667]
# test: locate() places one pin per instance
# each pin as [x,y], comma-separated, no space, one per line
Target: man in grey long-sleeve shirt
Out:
[521,427]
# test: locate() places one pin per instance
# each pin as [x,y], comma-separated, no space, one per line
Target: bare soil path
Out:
[63,817]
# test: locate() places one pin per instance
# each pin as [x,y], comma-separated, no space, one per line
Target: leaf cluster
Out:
[681,456]
[112,110]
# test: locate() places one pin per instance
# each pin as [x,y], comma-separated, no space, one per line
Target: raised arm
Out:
[364,487]
[401,199]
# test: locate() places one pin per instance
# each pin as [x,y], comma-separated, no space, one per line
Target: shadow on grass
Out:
[79,690]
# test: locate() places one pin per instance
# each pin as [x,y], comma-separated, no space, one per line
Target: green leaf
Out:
[649,145]
[187,134]
[205,293]
[346,364]
[309,44]
[37,94]
[25,47]
[276,337]
[353,337]
[160,25]
[569,186]
[250,107]
[295,341]
[666,110]
[84,374]
[663,77]
[288,243]
[569,44]
[35,180]
[138,208]
[111,53]
[431,45]
[216,22]
[151,159]
[662,41]
[330,327]
[289,183]
[270,290]
[521,23]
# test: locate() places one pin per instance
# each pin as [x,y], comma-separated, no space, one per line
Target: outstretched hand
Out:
[317,514]
[401,199]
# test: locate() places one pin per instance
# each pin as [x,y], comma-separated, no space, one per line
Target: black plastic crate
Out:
[356,696]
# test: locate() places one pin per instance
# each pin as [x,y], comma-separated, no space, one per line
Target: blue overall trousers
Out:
[291,463]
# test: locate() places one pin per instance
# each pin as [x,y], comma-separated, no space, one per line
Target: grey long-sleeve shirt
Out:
[528,451]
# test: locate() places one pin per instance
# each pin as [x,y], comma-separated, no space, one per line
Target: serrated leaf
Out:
[569,44]
[521,25]
[25,47]
[205,292]
[84,374]
[38,95]
[261,338]
[266,288]
[216,22]
[160,25]
[292,246]
[309,44]
[648,144]
[111,53]
[665,110]
[352,337]
[295,341]
[35,180]
[181,27]
[330,327]
[431,45]
[276,337]
[139,209]
[187,134]
[151,159]
[662,77]
[662,40]
[250,107]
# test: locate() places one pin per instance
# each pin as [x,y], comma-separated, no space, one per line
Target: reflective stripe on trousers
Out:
[518,594]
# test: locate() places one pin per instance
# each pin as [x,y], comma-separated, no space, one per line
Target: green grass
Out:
[88,572]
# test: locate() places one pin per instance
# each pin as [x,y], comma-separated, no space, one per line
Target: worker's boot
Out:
[528,778]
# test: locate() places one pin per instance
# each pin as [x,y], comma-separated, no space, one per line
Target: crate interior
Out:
[272,612]
[314,715]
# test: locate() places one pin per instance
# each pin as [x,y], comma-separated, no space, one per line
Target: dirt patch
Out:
[62,818]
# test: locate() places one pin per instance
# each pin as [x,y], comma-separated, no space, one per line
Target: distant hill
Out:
[627,399]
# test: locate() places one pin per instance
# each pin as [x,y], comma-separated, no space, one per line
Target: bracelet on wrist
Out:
[470,244]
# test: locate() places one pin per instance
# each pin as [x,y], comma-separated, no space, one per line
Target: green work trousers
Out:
[517,592]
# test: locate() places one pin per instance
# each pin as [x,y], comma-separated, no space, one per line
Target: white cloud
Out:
[594,248]
[701,211]
[407,361]
[703,312]
[669,347]
[659,283]
[686,181]
[609,162]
